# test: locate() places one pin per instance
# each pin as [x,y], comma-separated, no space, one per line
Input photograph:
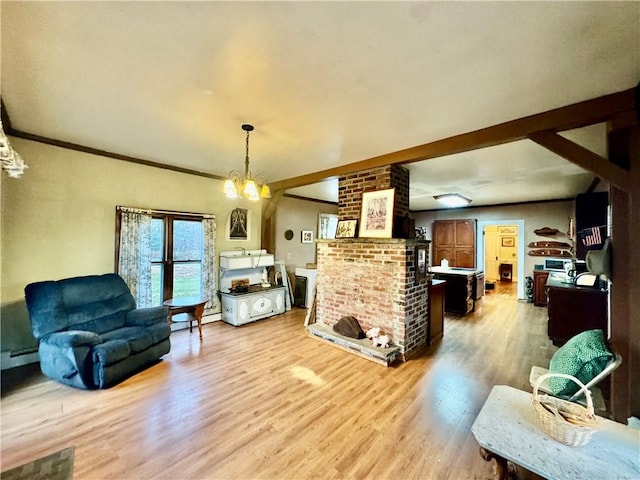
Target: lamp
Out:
[453,199]
[237,185]
[12,162]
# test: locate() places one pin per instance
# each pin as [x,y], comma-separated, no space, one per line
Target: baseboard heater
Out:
[363,347]
[18,358]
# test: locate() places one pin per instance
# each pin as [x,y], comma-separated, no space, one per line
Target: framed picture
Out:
[327,225]
[376,218]
[421,262]
[507,230]
[238,224]
[346,228]
[307,236]
[508,241]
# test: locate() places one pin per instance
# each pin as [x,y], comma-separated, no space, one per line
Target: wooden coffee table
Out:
[186,309]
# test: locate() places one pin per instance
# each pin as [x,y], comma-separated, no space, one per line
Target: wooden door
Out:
[491,263]
[465,233]
[443,233]
[440,254]
[464,257]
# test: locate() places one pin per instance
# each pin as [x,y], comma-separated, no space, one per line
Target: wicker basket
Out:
[565,421]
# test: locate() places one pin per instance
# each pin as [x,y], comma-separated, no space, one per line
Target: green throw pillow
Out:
[583,356]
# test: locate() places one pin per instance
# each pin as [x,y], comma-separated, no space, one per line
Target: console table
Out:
[507,431]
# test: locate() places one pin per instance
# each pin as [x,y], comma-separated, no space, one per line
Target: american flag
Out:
[591,236]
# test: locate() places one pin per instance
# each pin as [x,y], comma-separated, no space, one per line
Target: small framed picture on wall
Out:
[238,224]
[508,241]
[307,236]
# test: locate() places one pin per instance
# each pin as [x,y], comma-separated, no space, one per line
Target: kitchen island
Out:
[461,289]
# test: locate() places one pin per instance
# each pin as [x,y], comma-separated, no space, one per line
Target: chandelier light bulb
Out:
[251,188]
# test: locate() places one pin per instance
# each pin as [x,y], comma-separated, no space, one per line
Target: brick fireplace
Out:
[371,279]
[374,281]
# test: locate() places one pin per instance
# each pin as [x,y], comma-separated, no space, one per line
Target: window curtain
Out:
[209,272]
[134,262]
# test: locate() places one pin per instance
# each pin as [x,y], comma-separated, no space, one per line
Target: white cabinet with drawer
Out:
[241,308]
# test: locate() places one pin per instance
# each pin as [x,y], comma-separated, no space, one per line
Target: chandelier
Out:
[12,162]
[246,186]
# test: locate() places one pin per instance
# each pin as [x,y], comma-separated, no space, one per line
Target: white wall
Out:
[297,215]
[58,220]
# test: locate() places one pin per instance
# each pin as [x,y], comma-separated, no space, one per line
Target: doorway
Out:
[500,253]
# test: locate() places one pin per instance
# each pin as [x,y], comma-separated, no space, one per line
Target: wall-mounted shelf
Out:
[550,252]
[246,259]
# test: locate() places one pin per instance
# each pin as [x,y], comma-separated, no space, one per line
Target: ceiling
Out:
[324,83]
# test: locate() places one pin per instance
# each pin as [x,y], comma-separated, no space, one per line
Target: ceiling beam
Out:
[594,184]
[577,115]
[583,158]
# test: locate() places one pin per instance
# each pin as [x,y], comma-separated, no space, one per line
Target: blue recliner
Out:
[90,334]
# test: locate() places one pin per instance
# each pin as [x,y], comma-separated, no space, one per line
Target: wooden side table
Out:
[186,309]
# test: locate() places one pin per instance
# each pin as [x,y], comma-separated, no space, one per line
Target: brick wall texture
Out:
[351,187]
[374,281]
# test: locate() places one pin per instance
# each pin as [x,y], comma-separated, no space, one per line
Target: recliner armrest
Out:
[147,316]
[73,338]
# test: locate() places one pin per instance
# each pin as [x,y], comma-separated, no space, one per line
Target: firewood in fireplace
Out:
[349,327]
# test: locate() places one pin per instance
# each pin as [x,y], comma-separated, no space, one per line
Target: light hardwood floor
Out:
[265,401]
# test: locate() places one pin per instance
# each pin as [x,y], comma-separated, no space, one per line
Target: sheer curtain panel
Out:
[209,272]
[134,262]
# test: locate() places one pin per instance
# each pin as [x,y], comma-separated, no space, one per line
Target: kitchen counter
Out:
[456,271]
[460,287]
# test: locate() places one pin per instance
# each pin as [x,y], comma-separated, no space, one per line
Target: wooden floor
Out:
[265,401]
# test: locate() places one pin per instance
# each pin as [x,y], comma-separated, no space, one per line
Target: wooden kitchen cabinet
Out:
[435,329]
[465,233]
[458,291]
[540,288]
[455,240]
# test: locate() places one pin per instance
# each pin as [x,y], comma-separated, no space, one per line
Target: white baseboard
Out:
[206,319]
[212,318]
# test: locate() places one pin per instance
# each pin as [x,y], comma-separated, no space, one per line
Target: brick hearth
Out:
[374,281]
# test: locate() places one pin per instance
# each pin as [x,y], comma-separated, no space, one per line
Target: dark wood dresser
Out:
[573,310]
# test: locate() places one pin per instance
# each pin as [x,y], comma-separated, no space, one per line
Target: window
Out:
[176,257]
[164,255]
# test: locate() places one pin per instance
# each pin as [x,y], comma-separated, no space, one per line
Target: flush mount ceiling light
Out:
[246,186]
[452,199]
